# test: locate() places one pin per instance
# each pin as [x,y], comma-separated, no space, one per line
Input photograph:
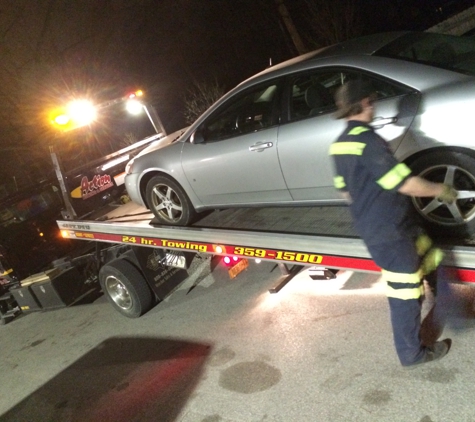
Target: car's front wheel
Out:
[169,202]
[457,170]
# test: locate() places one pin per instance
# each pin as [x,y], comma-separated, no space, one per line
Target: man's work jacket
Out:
[368,171]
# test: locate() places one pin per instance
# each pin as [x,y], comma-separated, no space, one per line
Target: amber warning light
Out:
[136,94]
[219,249]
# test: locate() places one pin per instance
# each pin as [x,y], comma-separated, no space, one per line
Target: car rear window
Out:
[438,50]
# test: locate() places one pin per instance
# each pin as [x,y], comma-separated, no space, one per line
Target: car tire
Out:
[126,288]
[169,202]
[457,170]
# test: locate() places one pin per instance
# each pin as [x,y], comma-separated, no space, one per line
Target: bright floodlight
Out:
[62,119]
[134,106]
[82,112]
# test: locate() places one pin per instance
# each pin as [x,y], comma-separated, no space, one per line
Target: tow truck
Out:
[139,262]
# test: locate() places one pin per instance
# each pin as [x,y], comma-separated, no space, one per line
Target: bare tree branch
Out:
[200,98]
[333,21]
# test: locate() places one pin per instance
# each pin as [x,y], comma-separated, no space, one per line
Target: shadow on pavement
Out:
[454,307]
[122,379]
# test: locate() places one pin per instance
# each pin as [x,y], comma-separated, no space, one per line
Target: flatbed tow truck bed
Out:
[321,236]
[138,263]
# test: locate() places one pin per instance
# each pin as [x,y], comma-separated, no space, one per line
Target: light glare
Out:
[62,119]
[82,112]
[113,163]
[134,107]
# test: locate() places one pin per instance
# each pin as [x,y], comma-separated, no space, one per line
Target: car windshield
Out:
[444,51]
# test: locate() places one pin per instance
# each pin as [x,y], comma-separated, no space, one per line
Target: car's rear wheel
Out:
[457,170]
[169,202]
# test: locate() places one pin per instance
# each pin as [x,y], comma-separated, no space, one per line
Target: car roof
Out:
[361,46]
[366,45]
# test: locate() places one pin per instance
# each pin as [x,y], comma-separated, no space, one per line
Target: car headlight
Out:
[129,166]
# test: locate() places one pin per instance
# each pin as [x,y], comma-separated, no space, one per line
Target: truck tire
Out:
[126,288]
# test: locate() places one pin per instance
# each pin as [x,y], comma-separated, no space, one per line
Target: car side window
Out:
[247,112]
[312,94]
[310,97]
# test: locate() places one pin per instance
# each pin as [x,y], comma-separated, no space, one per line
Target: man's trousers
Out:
[404,263]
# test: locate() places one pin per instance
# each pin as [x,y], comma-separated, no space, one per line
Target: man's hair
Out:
[348,97]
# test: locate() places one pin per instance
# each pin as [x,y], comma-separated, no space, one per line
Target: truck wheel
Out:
[125,288]
[169,202]
[457,170]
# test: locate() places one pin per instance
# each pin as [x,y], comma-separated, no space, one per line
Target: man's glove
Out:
[449,194]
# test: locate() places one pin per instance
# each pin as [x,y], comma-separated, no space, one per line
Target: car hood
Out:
[163,142]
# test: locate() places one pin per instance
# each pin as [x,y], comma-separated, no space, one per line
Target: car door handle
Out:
[379,122]
[261,146]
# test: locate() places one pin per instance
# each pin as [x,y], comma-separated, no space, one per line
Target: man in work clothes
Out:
[378,188]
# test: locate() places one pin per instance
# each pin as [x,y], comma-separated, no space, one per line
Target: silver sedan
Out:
[265,143]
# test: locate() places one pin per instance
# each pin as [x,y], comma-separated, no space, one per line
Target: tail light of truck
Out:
[230,260]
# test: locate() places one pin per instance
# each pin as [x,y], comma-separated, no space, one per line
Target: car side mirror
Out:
[197,137]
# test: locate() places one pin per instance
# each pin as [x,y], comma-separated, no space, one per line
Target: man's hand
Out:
[417,186]
[449,194]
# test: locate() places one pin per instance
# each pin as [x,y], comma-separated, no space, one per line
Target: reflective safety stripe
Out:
[394,176]
[405,294]
[358,130]
[344,148]
[413,278]
[7,271]
[339,182]
[423,244]
[411,285]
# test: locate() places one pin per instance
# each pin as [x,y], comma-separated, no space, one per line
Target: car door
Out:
[237,164]
[310,128]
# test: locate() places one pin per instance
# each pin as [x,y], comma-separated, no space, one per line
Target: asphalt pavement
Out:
[222,350]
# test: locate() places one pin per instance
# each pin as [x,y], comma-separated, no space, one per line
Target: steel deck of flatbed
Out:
[317,235]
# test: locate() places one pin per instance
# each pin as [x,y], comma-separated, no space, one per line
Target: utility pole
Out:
[289,24]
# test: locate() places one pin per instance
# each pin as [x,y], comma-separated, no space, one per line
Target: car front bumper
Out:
[133,189]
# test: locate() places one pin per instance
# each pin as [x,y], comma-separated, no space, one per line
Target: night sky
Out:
[53,50]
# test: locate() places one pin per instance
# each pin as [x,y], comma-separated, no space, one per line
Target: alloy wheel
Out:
[118,292]
[167,203]
[460,211]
